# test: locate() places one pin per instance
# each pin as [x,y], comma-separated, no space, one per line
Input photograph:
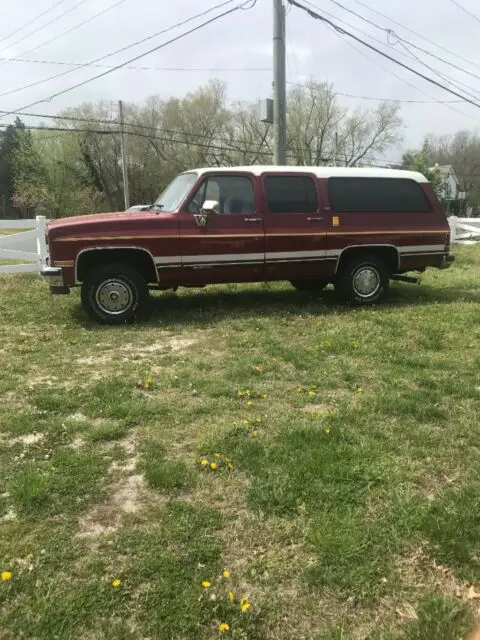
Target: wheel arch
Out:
[387,252]
[137,257]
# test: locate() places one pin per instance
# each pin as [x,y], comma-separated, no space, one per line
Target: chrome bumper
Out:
[447,262]
[54,277]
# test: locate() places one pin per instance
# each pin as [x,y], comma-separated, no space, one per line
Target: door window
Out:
[291,194]
[234,195]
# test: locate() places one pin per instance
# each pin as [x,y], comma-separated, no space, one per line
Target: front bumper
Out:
[447,262]
[54,277]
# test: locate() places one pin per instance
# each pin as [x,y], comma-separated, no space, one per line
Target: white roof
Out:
[322,172]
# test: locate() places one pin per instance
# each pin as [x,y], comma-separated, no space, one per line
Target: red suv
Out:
[355,228]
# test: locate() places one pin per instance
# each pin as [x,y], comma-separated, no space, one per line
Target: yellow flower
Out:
[311,393]
[245,607]
[224,627]
[254,434]
[246,422]
[206,584]
[6,576]
[213,465]
[204,462]
[217,455]
[116,583]
[226,574]
[231,596]
[249,402]
[359,390]
[327,430]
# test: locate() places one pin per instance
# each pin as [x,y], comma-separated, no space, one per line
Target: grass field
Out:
[326,458]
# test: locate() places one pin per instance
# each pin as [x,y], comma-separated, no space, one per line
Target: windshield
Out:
[176,192]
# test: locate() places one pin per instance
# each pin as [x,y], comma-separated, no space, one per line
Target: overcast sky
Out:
[238,41]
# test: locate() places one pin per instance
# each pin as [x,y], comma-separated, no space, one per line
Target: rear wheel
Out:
[114,294]
[309,286]
[363,281]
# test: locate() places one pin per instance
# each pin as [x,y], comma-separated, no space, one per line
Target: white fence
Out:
[464,230]
[29,246]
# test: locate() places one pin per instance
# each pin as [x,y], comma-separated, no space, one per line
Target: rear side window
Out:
[377,194]
[291,194]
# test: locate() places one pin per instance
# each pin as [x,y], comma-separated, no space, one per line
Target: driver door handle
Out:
[315,219]
[253,219]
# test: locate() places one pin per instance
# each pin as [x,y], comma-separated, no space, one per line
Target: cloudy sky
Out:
[237,48]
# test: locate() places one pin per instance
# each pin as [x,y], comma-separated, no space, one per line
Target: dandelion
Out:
[224,627]
[217,455]
[116,583]
[213,466]
[245,605]
[359,390]
[311,393]
[6,576]
[206,584]
[226,574]
[246,422]
[254,434]
[249,403]
[231,596]
[204,462]
[327,430]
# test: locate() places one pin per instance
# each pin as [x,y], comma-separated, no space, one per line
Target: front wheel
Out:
[114,294]
[363,281]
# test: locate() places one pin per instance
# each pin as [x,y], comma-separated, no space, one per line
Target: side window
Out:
[291,194]
[394,195]
[234,194]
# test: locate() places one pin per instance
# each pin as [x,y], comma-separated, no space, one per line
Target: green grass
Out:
[340,481]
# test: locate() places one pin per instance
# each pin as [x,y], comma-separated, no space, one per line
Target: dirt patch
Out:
[30,438]
[168,344]
[9,516]
[106,518]
[318,408]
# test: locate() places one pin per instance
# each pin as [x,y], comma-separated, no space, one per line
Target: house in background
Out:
[450,193]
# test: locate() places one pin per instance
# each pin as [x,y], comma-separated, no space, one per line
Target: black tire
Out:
[364,280]
[115,294]
[309,286]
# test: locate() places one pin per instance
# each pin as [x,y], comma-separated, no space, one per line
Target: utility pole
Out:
[279,85]
[124,156]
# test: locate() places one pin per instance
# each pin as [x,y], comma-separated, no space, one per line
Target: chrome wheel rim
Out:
[114,297]
[366,282]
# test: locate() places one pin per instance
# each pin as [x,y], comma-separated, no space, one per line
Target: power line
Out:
[64,33]
[47,24]
[410,56]
[135,58]
[419,35]
[116,123]
[343,31]
[188,143]
[375,99]
[112,53]
[467,11]
[390,32]
[390,71]
[40,15]
[136,68]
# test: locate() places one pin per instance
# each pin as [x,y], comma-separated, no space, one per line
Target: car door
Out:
[229,245]
[295,227]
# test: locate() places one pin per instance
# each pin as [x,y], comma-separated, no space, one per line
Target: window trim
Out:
[207,176]
[287,174]
[335,209]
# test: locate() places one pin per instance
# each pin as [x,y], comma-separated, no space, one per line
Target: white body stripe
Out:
[281,256]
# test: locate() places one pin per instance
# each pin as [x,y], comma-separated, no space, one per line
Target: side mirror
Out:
[211,207]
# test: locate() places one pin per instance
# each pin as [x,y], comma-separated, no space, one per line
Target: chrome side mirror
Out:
[210,207]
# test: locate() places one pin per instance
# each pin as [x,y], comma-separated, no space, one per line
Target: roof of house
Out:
[321,172]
